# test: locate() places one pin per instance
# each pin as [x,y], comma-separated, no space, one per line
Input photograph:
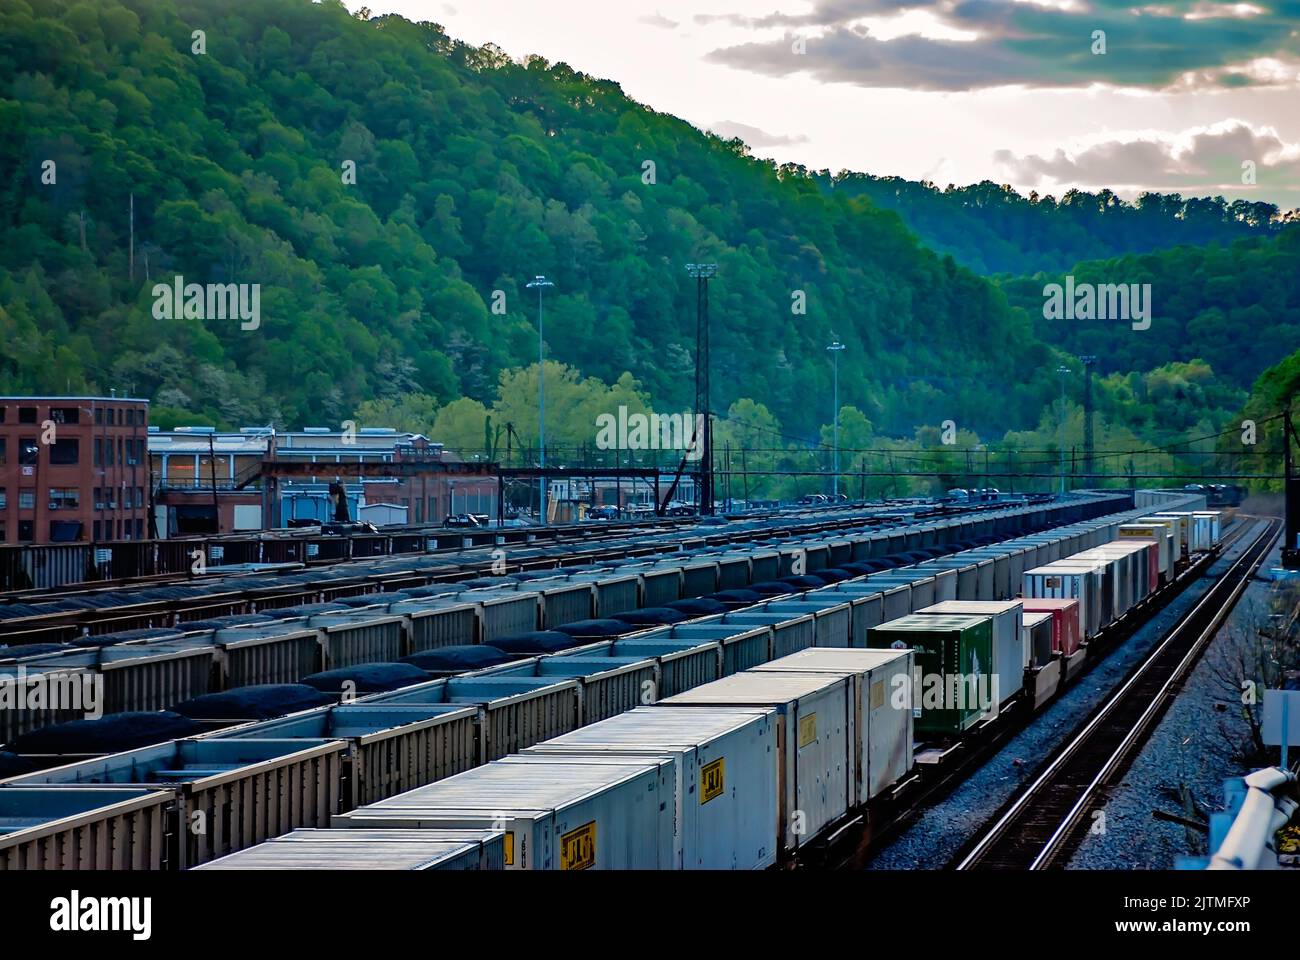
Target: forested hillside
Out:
[472,175]
[1238,304]
[994,230]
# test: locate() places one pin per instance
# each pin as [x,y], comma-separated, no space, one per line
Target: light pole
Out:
[835,349]
[702,272]
[540,283]
[1064,372]
[1088,464]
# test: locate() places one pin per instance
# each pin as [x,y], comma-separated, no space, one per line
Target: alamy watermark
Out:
[53,690]
[85,914]
[944,691]
[653,431]
[1098,301]
[209,301]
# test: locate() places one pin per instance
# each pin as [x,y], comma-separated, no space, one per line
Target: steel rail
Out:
[1220,599]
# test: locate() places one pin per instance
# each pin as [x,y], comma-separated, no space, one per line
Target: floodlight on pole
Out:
[1089,447]
[702,272]
[540,283]
[834,350]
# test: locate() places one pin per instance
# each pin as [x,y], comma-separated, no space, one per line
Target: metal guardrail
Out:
[1242,837]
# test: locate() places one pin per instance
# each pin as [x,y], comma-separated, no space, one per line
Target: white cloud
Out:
[657,19]
[727,129]
[1205,159]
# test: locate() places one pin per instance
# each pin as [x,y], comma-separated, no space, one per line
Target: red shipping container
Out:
[1065,621]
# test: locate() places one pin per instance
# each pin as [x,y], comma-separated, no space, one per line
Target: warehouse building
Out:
[73,469]
[212,482]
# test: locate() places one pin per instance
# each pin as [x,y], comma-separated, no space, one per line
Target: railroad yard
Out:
[494,699]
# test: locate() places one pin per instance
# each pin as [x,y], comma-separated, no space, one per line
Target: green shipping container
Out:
[954,662]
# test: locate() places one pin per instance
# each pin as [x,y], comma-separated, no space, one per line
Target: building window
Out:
[139,529]
[96,531]
[27,498]
[3,457]
[28,451]
[66,531]
[64,498]
[99,451]
[139,450]
[139,496]
[65,414]
[27,415]
[4,501]
[99,422]
[25,528]
[65,451]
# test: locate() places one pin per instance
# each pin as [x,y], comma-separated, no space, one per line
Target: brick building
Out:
[73,469]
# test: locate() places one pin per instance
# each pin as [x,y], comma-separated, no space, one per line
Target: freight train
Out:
[190,801]
[278,629]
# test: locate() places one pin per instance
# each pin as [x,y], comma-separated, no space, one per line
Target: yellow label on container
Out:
[807,729]
[509,845]
[712,780]
[1052,582]
[877,694]
[578,848]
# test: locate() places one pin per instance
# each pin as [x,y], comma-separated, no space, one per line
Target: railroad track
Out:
[585,542]
[1037,827]
[979,748]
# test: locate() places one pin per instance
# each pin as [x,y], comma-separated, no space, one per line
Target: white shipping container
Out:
[556,816]
[1010,655]
[726,786]
[1186,529]
[814,761]
[1038,637]
[1080,582]
[882,716]
[371,850]
[1155,530]
[1206,524]
[1172,549]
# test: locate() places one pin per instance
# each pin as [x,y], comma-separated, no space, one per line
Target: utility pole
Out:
[212,462]
[1088,447]
[835,349]
[540,283]
[1063,371]
[702,272]
[1291,495]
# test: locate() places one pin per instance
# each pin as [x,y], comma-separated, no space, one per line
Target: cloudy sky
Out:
[954,91]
